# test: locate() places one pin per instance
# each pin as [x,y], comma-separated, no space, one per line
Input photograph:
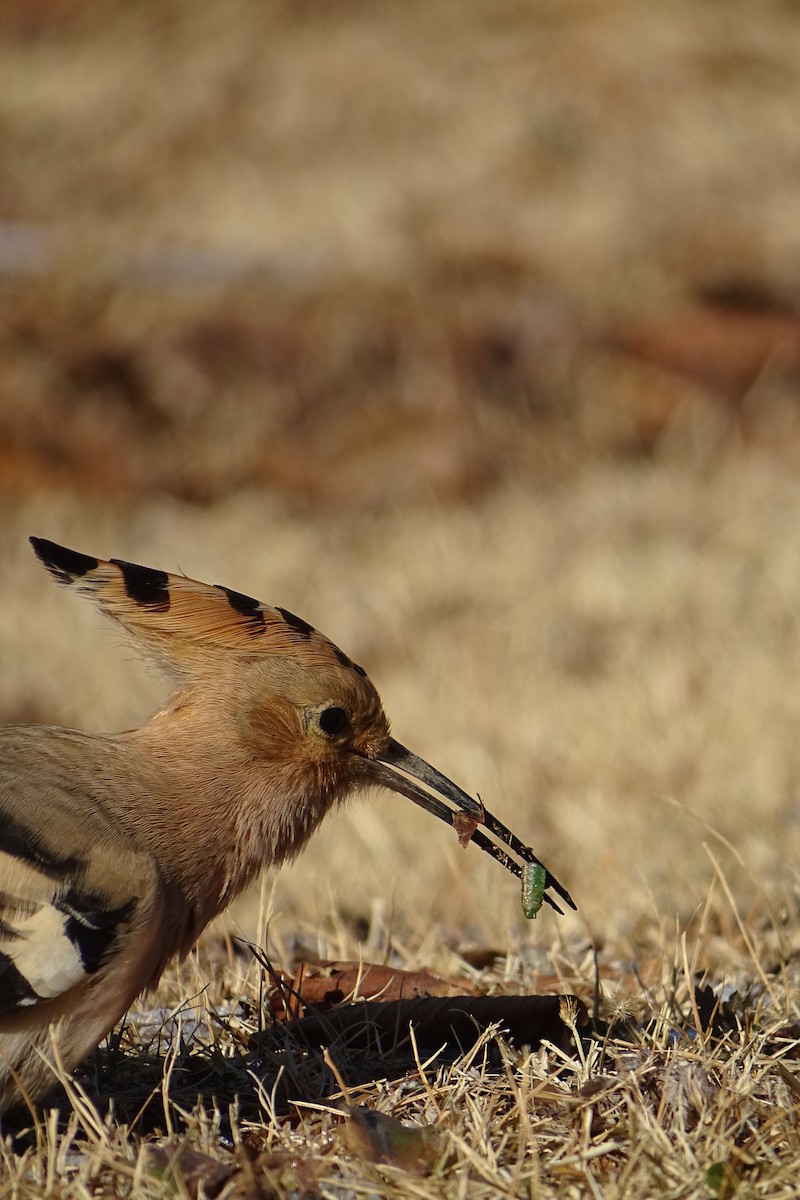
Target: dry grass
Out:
[616,679]
[663,1102]
[359,279]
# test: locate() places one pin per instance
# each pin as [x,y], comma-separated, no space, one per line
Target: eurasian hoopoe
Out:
[117,850]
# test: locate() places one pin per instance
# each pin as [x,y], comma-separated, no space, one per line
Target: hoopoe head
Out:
[297,706]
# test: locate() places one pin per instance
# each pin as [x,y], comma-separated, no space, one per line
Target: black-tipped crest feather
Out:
[185,623]
[63,564]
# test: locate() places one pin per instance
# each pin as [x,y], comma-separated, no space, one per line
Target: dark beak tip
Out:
[467,815]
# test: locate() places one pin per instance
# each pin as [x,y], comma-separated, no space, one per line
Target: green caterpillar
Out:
[534,879]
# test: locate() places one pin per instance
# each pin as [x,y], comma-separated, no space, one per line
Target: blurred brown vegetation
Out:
[360,253]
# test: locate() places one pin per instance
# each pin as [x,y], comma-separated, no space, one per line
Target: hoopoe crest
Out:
[116,850]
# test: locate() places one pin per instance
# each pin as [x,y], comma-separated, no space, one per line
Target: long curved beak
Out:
[401,771]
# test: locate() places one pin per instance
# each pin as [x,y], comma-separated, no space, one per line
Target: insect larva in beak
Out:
[534,878]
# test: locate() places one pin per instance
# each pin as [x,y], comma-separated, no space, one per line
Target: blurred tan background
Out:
[470,332]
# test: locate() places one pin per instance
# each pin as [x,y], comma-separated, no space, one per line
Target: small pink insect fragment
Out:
[465,826]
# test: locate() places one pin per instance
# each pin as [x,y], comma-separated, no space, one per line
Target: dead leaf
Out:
[186,1171]
[482,957]
[323,985]
[271,1174]
[723,347]
[383,1139]
[723,1180]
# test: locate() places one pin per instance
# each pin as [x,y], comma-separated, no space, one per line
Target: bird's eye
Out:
[332,720]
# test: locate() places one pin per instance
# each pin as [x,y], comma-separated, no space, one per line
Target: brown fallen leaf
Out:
[481,957]
[323,985]
[266,1174]
[185,1171]
[383,1139]
[723,347]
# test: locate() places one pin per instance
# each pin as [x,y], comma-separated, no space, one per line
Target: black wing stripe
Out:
[91,928]
[15,991]
[22,843]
